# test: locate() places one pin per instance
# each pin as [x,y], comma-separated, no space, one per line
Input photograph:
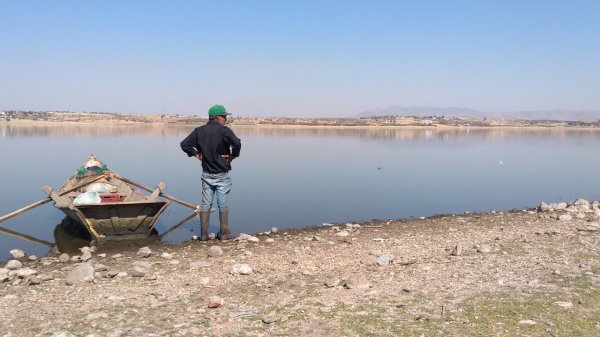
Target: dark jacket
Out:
[214,141]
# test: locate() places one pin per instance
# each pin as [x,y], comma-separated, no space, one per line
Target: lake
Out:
[291,177]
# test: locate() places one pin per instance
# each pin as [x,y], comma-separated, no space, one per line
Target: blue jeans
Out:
[215,183]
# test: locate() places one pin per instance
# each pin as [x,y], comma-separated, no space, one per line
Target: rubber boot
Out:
[204,217]
[224,233]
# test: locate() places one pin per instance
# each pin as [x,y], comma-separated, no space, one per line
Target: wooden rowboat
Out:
[108,206]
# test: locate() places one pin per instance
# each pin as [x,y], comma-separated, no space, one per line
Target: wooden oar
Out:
[45,200]
[25,237]
[177,225]
[166,196]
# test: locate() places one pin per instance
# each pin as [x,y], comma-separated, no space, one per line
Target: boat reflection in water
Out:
[70,236]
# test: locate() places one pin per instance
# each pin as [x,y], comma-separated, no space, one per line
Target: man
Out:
[216,146]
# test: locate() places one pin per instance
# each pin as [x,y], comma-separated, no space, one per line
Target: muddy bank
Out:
[529,273]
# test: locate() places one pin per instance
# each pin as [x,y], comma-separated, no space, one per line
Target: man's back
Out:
[213,141]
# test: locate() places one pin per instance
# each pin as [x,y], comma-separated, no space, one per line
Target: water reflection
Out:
[367,133]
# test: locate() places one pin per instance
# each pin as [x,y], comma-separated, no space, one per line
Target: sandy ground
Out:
[496,274]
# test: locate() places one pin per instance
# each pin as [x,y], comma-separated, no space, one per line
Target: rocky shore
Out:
[533,272]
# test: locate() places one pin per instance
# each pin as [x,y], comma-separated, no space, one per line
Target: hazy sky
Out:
[298,58]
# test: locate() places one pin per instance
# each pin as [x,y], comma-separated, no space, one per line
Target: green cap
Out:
[217,110]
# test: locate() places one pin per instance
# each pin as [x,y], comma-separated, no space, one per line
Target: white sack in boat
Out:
[87,198]
[101,188]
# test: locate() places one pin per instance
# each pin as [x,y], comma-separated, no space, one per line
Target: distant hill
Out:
[558,115]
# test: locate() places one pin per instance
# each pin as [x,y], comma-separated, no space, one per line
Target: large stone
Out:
[17,254]
[82,273]
[13,265]
[141,269]
[215,251]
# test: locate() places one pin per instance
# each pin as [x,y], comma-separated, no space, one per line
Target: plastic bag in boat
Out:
[101,188]
[87,198]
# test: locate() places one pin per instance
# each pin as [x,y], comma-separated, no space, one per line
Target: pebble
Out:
[32,258]
[64,258]
[563,304]
[242,269]
[13,265]
[212,236]
[270,318]
[86,256]
[46,277]
[342,233]
[199,264]
[483,248]
[63,334]
[75,258]
[246,237]
[100,267]
[565,217]
[270,240]
[144,252]
[112,273]
[384,260]
[167,256]
[32,280]
[204,281]
[22,273]
[357,281]
[215,251]
[215,302]
[457,250]
[527,322]
[332,282]
[274,230]
[17,254]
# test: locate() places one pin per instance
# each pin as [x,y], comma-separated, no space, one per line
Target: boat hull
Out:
[118,220]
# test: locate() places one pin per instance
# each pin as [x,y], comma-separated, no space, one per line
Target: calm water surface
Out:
[296,177]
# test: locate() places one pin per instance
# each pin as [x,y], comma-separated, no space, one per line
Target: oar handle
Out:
[166,196]
[43,201]
[24,209]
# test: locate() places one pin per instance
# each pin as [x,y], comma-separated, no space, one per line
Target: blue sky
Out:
[298,58]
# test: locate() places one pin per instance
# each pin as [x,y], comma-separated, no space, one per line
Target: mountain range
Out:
[420,111]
